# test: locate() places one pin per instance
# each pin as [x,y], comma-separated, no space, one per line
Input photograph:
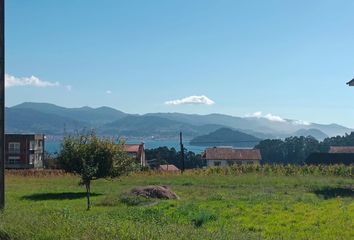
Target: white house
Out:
[223,157]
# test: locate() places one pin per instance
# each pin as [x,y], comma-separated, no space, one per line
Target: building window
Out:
[217,164]
[13,160]
[14,147]
[230,162]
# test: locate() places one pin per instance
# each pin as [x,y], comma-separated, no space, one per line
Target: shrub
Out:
[202,217]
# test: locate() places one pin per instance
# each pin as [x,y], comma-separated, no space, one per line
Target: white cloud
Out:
[301,122]
[12,81]
[275,118]
[192,100]
[268,116]
[108,91]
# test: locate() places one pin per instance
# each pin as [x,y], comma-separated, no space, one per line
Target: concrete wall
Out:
[227,163]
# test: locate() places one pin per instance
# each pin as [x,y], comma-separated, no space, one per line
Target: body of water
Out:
[52,146]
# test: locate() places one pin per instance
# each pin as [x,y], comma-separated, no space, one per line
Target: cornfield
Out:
[269,170]
[280,170]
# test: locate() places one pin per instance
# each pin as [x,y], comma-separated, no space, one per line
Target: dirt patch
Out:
[160,192]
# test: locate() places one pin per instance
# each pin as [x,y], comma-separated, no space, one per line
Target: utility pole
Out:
[182,150]
[2,106]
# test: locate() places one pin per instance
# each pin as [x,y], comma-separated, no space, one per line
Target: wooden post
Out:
[2,107]
[182,150]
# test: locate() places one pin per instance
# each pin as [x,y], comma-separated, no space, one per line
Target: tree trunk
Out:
[88,191]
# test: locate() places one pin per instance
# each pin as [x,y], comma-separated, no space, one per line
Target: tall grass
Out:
[35,172]
[268,170]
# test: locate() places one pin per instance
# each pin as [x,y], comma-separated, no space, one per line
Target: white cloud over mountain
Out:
[203,100]
[301,122]
[268,116]
[32,81]
[12,81]
[275,118]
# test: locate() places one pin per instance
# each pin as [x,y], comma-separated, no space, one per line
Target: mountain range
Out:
[54,120]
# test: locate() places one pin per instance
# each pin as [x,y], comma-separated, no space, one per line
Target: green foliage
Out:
[92,158]
[134,200]
[165,155]
[346,140]
[202,217]
[4,235]
[295,150]
[279,170]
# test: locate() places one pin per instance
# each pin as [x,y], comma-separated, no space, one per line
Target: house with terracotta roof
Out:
[335,155]
[137,152]
[223,157]
[341,149]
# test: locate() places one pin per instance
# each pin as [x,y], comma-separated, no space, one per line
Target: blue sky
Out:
[284,58]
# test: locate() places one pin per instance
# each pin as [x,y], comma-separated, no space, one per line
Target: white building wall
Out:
[227,163]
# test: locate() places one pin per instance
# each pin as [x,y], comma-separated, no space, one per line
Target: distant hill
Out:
[94,116]
[319,135]
[260,127]
[18,120]
[226,137]
[51,119]
[152,126]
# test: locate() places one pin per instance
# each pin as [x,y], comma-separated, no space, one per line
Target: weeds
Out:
[134,200]
[202,217]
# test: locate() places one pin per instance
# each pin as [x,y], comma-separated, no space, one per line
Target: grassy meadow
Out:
[211,206]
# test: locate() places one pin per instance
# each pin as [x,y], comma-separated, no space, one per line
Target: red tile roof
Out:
[231,154]
[168,167]
[341,149]
[132,148]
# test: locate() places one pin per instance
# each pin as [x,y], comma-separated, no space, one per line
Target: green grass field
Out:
[248,206]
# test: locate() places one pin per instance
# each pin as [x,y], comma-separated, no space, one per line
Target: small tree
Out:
[92,158]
